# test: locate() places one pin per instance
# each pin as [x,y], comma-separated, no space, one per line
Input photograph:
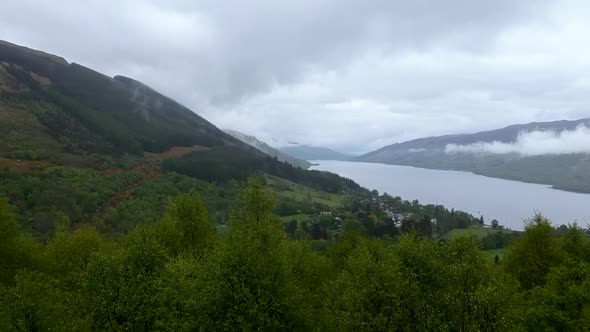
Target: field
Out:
[285,189]
[476,230]
[491,254]
[298,217]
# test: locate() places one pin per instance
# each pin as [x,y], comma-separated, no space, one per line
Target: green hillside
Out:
[98,113]
[78,147]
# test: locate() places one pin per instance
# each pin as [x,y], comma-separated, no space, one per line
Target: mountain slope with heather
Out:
[97,113]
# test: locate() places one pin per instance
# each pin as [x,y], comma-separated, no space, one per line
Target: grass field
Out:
[478,231]
[491,254]
[286,189]
[299,217]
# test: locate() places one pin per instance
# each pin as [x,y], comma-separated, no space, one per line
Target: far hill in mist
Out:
[262,146]
[555,153]
[308,152]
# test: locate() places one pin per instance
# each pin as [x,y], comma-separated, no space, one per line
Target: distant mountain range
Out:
[307,152]
[262,146]
[514,152]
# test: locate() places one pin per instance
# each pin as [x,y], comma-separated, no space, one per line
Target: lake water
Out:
[510,202]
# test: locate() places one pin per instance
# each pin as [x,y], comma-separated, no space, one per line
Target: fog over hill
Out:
[556,153]
[308,152]
[262,146]
[533,143]
[352,76]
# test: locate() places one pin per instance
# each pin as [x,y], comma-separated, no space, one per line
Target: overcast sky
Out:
[351,75]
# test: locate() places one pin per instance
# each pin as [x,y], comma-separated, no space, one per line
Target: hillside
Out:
[307,152]
[269,150]
[83,111]
[506,135]
[562,171]
[78,147]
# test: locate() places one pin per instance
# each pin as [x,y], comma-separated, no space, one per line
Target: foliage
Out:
[532,256]
[180,273]
[226,163]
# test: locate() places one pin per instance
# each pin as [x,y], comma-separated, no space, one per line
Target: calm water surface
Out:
[510,202]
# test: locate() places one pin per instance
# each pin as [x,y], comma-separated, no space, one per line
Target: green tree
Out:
[16,250]
[365,295]
[465,266]
[120,288]
[563,304]
[187,215]
[531,257]
[8,234]
[38,302]
[246,281]
[480,294]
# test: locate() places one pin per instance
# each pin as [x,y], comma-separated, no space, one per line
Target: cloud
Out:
[348,74]
[533,143]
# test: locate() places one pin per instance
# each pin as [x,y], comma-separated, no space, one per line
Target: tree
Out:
[245,281]
[364,295]
[188,215]
[38,302]
[16,251]
[120,288]
[495,223]
[465,275]
[291,228]
[531,257]
[8,233]
[561,305]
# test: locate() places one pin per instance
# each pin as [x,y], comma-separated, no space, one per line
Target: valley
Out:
[123,210]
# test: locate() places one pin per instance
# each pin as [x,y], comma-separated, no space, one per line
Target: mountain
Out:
[77,146]
[506,135]
[308,152]
[84,111]
[496,153]
[269,150]
[67,114]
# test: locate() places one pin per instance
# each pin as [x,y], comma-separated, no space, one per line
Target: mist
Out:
[533,143]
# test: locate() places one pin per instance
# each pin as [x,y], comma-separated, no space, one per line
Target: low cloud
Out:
[533,143]
[350,75]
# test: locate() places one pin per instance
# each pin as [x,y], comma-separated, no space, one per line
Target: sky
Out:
[349,75]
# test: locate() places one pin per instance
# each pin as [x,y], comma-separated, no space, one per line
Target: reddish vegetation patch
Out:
[176,151]
[148,173]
